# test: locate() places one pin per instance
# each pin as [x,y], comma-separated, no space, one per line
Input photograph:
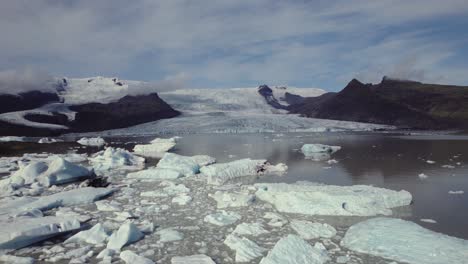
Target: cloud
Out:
[24,80]
[231,43]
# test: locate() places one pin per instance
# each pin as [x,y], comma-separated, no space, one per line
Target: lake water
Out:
[384,160]
[391,161]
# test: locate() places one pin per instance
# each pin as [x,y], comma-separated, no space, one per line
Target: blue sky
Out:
[239,43]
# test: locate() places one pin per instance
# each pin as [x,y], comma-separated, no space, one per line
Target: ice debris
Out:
[250,229]
[318,152]
[194,259]
[222,218]
[10,259]
[294,250]
[232,199]
[92,142]
[169,235]
[309,230]
[155,174]
[156,149]
[246,250]
[61,171]
[116,158]
[126,234]
[131,258]
[48,140]
[183,164]
[98,234]
[314,199]
[404,241]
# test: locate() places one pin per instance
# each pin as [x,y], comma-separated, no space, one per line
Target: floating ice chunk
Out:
[183,164]
[318,148]
[155,174]
[61,171]
[279,168]
[169,235]
[345,259]
[222,218]
[220,173]
[332,161]
[98,234]
[232,199]
[12,139]
[309,230]
[456,192]
[312,199]
[108,206]
[404,241]
[250,229]
[68,212]
[116,158]
[106,253]
[156,149]
[430,162]
[448,166]
[194,259]
[423,176]
[246,250]
[294,250]
[20,232]
[170,189]
[9,259]
[92,142]
[127,234]
[427,220]
[203,160]
[67,198]
[31,171]
[276,220]
[131,258]
[182,199]
[146,227]
[49,140]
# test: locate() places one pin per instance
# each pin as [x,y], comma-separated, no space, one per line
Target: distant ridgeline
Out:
[45,113]
[405,104]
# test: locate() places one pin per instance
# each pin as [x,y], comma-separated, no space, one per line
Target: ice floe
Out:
[126,234]
[20,232]
[294,250]
[246,250]
[61,171]
[309,230]
[232,199]
[222,218]
[314,199]
[12,139]
[116,158]
[156,148]
[456,192]
[169,235]
[404,241]
[220,173]
[193,259]
[183,164]
[131,258]
[428,220]
[318,152]
[250,229]
[92,142]
[98,234]
[49,140]
[10,259]
[155,174]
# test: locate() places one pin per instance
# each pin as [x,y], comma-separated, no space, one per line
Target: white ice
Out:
[92,142]
[61,171]
[116,158]
[250,229]
[183,164]
[246,250]
[294,250]
[220,173]
[155,148]
[98,234]
[10,259]
[12,139]
[310,230]
[222,218]
[155,174]
[126,234]
[194,259]
[131,258]
[169,235]
[226,199]
[313,199]
[48,140]
[404,241]
[318,152]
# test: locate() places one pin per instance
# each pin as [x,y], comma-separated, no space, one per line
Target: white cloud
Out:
[24,80]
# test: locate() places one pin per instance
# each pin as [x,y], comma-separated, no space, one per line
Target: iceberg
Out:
[48,140]
[156,149]
[61,171]
[127,234]
[310,199]
[169,235]
[92,142]
[222,218]
[220,173]
[250,229]
[116,158]
[12,139]
[232,199]
[294,250]
[183,164]
[194,259]
[155,174]
[131,258]
[20,232]
[318,152]
[404,241]
[309,230]
[98,234]
[31,171]
[246,250]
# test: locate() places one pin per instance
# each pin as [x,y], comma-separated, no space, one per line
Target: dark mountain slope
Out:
[401,103]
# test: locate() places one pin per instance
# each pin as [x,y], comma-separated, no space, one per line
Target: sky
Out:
[242,43]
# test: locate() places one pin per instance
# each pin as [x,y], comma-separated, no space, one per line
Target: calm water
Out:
[382,160]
